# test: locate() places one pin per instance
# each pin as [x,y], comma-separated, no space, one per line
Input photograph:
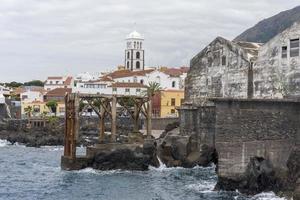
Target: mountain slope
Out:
[268,28]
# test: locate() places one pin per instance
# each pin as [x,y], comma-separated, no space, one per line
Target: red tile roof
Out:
[128,85]
[68,80]
[128,73]
[174,71]
[55,77]
[59,92]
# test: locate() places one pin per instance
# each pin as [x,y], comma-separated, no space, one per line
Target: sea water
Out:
[34,173]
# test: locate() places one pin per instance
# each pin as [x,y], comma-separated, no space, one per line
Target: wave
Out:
[100,172]
[4,143]
[267,196]
[202,187]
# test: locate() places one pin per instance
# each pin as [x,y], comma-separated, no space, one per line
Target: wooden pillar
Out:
[136,117]
[149,117]
[102,124]
[113,118]
[75,126]
[67,127]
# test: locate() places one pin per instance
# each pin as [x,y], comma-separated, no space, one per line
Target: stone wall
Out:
[198,122]
[219,70]
[276,73]
[254,128]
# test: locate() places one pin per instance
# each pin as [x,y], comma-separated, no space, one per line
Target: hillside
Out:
[268,28]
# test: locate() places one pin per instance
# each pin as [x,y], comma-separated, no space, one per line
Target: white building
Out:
[54,82]
[136,89]
[30,96]
[134,53]
[100,86]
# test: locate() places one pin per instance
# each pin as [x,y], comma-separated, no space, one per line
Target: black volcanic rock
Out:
[270,27]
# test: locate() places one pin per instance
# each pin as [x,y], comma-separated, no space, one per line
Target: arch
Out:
[142,81]
[138,45]
[128,54]
[134,44]
[137,65]
[141,45]
[127,64]
[138,55]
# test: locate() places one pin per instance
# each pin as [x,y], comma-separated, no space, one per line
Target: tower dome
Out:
[135,35]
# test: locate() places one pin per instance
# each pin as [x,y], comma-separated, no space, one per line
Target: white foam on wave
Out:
[267,196]
[4,143]
[100,172]
[53,148]
[202,187]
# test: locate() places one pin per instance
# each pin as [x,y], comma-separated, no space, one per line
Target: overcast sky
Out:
[56,37]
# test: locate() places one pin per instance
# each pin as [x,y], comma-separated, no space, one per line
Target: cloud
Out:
[54,37]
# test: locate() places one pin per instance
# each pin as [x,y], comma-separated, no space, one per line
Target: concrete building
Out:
[222,69]
[134,53]
[165,103]
[54,82]
[276,73]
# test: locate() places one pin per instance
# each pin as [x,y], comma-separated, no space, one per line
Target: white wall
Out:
[30,96]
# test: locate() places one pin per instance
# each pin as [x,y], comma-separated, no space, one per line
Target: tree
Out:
[28,111]
[152,89]
[34,83]
[52,105]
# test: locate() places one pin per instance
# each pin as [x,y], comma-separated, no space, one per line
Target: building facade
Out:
[134,53]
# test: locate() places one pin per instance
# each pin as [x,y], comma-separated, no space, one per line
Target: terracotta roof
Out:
[128,73]
[128,85]
[22,89]
[54,77]
[106,78]
[68,80]
[170,90]
[174,71]
[59,92]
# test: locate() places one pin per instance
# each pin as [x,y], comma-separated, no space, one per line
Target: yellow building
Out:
[166,102]
[39,108]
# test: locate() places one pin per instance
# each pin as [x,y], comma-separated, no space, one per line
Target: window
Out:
[173,102]
[57,82]
[138,90]
[142,81]
[61,109]
[173,84]
[181,101]
[223,60]
[137,65]
[172,111]
[135,79]
[128,65]
[294,48]
[127,90]
[138,45]
[141,45]
[284,52]
[134,44]
[128,54]
[51,82]
[137,55]
[114,89]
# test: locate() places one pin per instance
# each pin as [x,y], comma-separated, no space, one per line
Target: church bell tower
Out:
[134,53]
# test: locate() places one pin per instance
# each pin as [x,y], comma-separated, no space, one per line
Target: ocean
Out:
[34,173]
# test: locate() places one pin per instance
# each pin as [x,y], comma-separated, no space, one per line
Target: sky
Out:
[40,38]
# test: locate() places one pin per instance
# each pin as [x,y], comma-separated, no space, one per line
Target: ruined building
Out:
[242,99]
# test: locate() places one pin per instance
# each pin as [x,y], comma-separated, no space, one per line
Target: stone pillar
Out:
[113,119]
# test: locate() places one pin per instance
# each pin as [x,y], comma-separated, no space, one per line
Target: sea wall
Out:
[254,140]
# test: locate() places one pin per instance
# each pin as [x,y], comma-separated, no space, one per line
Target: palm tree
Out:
[28,111]
[52,105]
[152,89]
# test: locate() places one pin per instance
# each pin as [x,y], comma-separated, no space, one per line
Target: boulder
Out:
[127,157]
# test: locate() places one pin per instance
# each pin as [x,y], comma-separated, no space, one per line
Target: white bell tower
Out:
[134,53]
